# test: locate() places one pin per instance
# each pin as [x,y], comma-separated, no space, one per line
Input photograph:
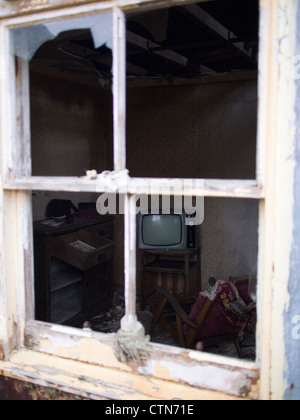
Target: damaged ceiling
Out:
[188,41]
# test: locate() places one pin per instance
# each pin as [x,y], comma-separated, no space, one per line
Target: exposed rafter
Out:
[204,20]
[185,42]
[156,49]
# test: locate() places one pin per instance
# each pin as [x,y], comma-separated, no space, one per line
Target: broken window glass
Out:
[27,40]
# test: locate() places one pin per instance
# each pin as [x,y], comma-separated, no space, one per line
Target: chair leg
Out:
[180,335]
[238,347]
[157,314]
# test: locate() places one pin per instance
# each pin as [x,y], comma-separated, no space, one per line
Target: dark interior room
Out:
[191,113]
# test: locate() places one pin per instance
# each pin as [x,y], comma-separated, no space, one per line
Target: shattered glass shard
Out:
[24,42]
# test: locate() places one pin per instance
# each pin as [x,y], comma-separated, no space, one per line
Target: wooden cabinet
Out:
[69,291]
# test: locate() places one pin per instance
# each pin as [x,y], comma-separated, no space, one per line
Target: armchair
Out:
[223,314]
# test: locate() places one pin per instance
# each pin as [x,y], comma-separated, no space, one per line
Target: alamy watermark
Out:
[153,196]
[296,328]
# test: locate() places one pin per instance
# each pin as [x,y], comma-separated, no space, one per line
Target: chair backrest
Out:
[209,318]
[221,311]
[242,284]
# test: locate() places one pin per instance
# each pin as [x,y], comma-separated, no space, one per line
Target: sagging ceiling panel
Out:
[188,41]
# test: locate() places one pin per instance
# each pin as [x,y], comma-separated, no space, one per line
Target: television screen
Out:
[162,230]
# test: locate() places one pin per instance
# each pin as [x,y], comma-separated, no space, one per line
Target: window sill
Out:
[96,382]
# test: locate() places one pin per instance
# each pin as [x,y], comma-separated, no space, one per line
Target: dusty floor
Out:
[109,322]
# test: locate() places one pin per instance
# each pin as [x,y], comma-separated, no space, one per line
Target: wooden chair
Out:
[187,332]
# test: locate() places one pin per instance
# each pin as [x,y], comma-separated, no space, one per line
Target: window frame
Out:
[19,331]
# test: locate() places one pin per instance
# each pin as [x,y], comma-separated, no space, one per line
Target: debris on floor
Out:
[109,322]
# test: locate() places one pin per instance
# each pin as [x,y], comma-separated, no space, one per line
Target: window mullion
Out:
[130,319]
[119,89]
[129,322]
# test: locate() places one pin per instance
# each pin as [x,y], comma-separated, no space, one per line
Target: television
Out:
[165,232]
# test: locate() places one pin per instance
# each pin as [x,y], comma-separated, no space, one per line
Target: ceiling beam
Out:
[153,48]
[188,45]
[204,20]
[156,49]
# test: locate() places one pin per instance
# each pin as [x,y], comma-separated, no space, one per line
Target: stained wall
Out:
[203,130]
[71,132]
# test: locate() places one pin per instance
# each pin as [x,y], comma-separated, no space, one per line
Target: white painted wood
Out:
[96,382]
[129,322]
[15,243]
[119,90]
[264,170]
[280,195]
[211,188]
[23,138]
[8,108]
[3,304]
[275,170]
[14,210]
[177,365]
[11,8]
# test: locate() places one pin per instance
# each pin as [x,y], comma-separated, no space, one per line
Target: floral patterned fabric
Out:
[237,312]
[229,315]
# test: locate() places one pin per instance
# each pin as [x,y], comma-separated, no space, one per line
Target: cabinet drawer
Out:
[82,249]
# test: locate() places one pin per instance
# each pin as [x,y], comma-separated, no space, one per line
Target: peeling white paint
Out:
[208,376]
[75,362]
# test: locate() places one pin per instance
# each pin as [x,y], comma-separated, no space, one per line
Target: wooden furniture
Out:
[69,291]
[209,313]
[189,340]
[177,271]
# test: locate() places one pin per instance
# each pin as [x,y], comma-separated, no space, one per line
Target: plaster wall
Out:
[71,132]
[203,131]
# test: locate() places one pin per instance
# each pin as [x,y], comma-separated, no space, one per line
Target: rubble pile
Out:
[109,321]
